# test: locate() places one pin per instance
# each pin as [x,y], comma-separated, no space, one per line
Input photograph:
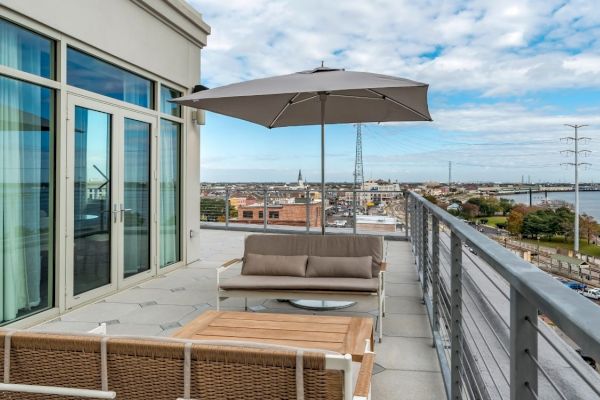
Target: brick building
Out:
[280,214]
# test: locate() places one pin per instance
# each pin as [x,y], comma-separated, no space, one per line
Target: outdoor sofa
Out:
[40,365]
[329,267]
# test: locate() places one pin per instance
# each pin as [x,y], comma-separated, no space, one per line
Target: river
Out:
[589,202]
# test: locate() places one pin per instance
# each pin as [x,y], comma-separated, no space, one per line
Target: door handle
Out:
[123,210]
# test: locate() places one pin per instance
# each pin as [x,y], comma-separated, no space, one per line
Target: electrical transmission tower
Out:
[358,162]
[576,152]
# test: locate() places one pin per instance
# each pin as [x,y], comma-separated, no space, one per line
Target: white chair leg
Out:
[380,324]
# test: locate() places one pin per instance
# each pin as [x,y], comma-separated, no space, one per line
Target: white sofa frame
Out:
[223,294]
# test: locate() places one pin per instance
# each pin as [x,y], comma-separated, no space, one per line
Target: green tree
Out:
[431,198]
[213,209]
[514,223]
[487,205]
[506,205]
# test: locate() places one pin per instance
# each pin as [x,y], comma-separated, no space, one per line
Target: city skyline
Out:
[504,79]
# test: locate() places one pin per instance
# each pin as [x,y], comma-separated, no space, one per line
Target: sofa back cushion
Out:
[318,245]
[339,267]
[262,264]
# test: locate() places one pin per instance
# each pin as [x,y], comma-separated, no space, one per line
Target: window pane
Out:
[137,196]
[26,51]
[166,94]
[89,73]
[26,188]
[91,200]
[169,192]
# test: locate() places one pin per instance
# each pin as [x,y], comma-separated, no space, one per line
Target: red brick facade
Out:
[284,214]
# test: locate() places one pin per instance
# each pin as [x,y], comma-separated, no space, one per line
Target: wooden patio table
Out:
[345,335]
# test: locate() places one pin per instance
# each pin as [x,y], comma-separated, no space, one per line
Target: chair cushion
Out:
[265,282]
[318,245]
[261,264]
[339,267]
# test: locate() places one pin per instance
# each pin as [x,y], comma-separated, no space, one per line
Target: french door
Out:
[110,192]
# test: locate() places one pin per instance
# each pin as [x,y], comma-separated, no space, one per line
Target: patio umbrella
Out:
[319,96]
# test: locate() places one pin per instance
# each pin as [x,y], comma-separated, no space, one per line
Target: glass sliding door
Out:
[26,198]
[170,246]
[136,212]
[92,199]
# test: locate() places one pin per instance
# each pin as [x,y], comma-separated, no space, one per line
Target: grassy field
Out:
[493,221]
[584,248]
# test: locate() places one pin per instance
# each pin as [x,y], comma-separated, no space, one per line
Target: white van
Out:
[591,293]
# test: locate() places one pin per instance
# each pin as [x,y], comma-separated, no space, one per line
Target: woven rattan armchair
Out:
[66,366]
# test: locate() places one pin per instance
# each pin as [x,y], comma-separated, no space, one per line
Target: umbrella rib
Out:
[399,104]
[356,97]
[289,103]
[303,100]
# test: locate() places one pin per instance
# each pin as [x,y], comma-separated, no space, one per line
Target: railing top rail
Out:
[317,190]
[577,316]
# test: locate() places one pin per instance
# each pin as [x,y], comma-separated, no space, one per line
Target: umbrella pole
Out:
[323,98]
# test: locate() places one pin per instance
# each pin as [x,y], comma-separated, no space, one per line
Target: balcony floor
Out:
[407,365]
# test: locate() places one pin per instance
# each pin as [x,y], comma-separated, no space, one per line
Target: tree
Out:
[506,205]
[213,210]
[514,223]
[470,210]
[487,205]
[588,227]
[431,198]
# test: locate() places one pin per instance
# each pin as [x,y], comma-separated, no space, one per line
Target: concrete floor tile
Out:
[407,385]
[407,325]
[100,312]
[403,289]
[137,295]
[156,314]
[65,326]
[412,354]
[133,329]
[401,277]
[404,305]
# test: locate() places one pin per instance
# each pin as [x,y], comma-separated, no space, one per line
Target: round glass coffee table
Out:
[322,305]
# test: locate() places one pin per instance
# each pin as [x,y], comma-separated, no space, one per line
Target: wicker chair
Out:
[67,366]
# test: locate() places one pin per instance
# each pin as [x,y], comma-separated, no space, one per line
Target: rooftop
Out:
[406,360]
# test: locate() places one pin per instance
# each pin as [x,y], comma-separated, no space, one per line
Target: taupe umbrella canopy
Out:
[319,96]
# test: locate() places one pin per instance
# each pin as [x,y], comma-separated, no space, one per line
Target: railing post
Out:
[354,210]
[418,237]
[424,247]
[406,218]
[435,274]
[523,340]
[265,210]
[227,207]
[455,315]
[307,198]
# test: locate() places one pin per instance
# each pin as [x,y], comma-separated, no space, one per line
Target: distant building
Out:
[281,214]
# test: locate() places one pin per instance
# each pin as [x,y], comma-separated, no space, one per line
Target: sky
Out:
[505,76]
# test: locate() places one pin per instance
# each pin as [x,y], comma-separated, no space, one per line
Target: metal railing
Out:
[502,328]
[298,210]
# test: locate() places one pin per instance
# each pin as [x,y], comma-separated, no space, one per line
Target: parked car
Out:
[591,293]
[574,285]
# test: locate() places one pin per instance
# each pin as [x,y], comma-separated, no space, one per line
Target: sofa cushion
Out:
[339,267]
[317,245]
[261,264]
[258,282]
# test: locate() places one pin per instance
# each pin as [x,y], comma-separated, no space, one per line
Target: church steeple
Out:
[299,175]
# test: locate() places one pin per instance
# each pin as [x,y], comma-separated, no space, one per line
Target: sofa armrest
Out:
[228,264]
[362,389]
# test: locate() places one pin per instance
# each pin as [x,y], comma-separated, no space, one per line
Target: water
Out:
[589,202]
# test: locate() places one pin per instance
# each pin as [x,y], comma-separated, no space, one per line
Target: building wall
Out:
[289,214]
[159,40]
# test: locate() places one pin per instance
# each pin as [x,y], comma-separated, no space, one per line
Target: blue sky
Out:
[504,76]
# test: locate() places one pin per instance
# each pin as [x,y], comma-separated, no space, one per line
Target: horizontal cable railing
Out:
[299,210]
[502,328]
